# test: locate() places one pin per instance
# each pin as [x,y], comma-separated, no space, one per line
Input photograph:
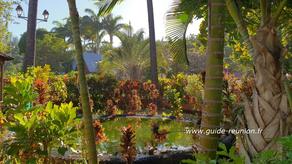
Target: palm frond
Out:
[90,12]
[176,33]
[108,6]
[179,16]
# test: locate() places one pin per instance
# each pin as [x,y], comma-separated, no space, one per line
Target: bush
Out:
[133,96]
[100,89]
[37,86]
[38,130]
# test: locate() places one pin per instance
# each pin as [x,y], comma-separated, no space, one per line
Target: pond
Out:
[144,136]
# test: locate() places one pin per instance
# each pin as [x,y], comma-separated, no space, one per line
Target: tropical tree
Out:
[40,33]
[89,138]
[5,7]
[153,55]
[112,26]
[256,24]
[109,5]
[92,29]
[62,30]
[130,60]
[53,51]
[269,103]
[16,64]
[211,117]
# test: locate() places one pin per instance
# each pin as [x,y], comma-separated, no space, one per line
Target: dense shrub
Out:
[182,92]
[37,86]
[100,89]
[37,131]
[133,96]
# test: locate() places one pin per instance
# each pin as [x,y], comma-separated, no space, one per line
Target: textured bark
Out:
[89,137]
[268,108]
[211,115]
[29,59]
[153,56]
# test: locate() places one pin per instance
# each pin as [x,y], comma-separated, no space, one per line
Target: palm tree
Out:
[153,55]
[109,5]
[111,25]
[29,59]
[269,102]
[130,59]
[63,30]
[93,28]
[211,117]
[89,137]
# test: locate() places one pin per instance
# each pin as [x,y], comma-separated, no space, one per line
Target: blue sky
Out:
[134,11]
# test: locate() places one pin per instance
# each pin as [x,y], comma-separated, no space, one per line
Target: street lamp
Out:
[46,15]
[30,54]
[19,12]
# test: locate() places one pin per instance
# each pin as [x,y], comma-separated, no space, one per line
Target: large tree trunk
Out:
[29,59]
[211,115]
[268,108]
[153,56]
[89,137]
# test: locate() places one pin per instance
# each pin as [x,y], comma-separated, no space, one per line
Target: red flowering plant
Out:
[152,109]
[133,96]
[128,144]
[42,89]
[111,108]
[126,96]
[99,132]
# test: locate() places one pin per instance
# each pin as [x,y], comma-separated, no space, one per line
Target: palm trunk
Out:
[211,115]
[111,39]
[268,109]
[153,56]
[87,116]
[29,59]
[97,44]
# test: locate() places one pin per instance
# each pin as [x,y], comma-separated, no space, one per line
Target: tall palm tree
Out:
[94,29]
[107,8]
[89,137]
[29,59]
[211,116]
[111,25]
[153,55]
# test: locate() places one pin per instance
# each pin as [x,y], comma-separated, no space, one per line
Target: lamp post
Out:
[29,59]
[19,12]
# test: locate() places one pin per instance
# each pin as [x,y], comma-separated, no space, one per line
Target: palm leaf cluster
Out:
[93,29]
[131,58]
[179,16]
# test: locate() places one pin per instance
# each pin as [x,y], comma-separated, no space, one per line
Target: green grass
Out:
[142,127]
